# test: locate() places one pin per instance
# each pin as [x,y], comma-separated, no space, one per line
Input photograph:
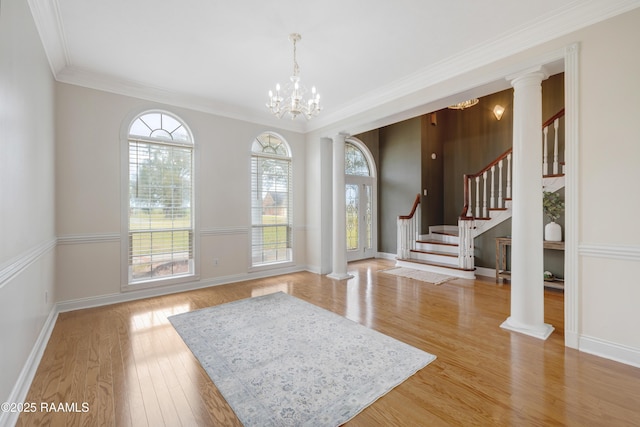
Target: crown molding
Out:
[574,16]
[46,14]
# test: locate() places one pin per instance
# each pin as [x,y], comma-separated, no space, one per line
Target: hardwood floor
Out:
[132,369]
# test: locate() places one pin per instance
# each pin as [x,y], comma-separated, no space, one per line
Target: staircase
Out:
[449,249]
[438,252]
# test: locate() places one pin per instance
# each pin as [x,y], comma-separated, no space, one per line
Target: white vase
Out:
[553,232]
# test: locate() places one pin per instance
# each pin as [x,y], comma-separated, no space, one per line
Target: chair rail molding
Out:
[18,264]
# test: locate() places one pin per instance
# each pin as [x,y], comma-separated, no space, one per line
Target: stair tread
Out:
[436,264]
[436,242]
[420,251]
[446,233]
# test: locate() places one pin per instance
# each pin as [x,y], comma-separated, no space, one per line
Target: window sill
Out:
[271,266]
[156,283]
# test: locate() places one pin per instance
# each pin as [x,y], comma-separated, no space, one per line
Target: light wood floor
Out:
[131,367]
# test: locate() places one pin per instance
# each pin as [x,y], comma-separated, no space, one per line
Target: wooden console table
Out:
[501,260]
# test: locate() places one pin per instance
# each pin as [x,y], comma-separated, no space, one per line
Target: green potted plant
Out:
[553,207]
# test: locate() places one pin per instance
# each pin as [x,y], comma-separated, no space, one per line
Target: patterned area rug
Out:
[280,361]
[423,276]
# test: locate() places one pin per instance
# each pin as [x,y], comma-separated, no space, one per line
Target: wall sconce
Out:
[498,110]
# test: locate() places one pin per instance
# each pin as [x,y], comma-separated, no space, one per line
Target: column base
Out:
[340,276]
[537,331]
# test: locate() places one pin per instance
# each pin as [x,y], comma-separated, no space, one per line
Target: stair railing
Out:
[498,192]
[555,121]
[477,204]
[409,230]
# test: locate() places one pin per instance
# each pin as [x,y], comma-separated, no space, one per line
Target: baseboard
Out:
[609,350]
[385,255]
[102,300]
[486,272]
[22,385]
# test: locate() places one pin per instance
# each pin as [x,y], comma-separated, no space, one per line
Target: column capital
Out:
[534,74]
[341,136]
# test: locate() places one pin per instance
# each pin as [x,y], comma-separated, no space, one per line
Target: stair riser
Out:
[445,238]
[453,261]
[436,247]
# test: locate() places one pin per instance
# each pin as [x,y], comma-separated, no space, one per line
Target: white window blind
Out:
[160,216]
[271,219]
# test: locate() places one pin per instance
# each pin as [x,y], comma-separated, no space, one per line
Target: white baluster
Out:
[470,210]
[407,227]
[509,175]
[477,196]
[545,164]
[500,201]
[493,187]
[461,232]
[484,195]
[416,227]
[400,251]
[556,123]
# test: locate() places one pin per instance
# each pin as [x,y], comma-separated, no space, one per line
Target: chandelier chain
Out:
[296,68]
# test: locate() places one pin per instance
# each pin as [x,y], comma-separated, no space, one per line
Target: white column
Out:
[527,283]
[339,252]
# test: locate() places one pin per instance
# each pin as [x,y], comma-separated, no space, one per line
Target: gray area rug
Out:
[423,276]
[280,361]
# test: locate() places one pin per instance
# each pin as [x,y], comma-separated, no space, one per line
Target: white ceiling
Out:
[223,56]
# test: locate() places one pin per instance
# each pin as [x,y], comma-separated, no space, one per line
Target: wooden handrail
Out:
[492,164]
[553,118]
[416,202]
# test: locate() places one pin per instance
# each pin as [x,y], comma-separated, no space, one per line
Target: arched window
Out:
[160,214]
[355,162]
[271,219]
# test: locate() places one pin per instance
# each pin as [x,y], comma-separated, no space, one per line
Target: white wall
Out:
[88,175]
[609,176]
[27,236]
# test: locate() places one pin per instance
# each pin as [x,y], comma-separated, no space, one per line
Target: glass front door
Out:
[359,220]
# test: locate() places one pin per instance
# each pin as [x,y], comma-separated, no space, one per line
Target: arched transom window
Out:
[355,163]
[271,219]
[160,213]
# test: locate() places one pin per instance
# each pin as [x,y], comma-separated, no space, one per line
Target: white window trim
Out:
[125,285]
[276,264]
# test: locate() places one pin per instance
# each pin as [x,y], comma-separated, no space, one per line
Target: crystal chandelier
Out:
[292,99]
[464,104]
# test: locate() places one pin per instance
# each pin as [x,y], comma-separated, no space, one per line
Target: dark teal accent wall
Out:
[400,174]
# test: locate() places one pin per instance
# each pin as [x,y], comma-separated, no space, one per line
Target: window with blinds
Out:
[160,214]
[271,220]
